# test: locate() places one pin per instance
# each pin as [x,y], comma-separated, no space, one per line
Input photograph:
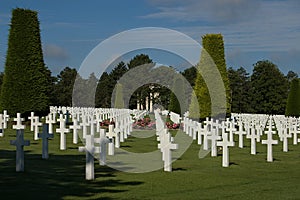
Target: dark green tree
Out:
[178,100]
[293,101]
[143,92]
[63,89]
[138,60]
[190,74]
[1,81]
[106,85]
[290,76]
[26,78]
[118,96]
[103,92]
[174,105]
[269,89]
[240,86]
[212,56]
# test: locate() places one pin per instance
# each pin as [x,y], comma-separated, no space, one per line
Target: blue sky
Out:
[253,30]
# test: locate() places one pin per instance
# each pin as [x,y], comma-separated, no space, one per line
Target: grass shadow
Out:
[56,178]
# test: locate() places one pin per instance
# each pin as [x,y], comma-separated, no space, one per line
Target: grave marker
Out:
[269,142]
[240,133]
[225,143]
[31,118]
[62,130]
[213,137]
[50,120]
[115,140]
[5,119]
[76,126]
[36,123]
[89,149]
[253,138]
[19,120]
[285,135]
[1,125]
[166,147]
[20,143]
[102,141]
[45,135]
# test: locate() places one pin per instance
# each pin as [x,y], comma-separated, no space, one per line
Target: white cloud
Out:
[247,25]
[214,11]
[55,52]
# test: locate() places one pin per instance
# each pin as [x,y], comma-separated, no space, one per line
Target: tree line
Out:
[264,91]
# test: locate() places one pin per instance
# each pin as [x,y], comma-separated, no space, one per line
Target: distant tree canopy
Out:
[240,88]
[269,89]
[26,82]
[64,87]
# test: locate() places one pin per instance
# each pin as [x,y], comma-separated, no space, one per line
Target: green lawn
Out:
[62,176]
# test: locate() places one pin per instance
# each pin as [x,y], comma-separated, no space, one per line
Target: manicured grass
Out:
[62,176]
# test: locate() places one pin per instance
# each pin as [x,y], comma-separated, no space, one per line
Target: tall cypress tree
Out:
[26,80]
[293,101]
[213,51]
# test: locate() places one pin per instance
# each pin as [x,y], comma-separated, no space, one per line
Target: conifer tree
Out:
[26,82]
[212,55]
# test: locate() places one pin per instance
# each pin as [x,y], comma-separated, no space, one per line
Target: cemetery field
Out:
[62,176]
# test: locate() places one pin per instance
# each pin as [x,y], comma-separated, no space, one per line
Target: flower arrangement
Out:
[170,124]
[144,123]
[106,122]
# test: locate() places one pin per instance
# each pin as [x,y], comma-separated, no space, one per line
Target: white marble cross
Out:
[240,133]
[36,124]
[195,129]
[19,120]
[294,131]
[166,146]
[76,126]
[89,149]
[115,140]
[84,124]
[31,118]
[213,137]
[5,117]
[1,125]
[50,120]
[102,141]
[230,128]
[225,143]
[269,142]
[285,136]
[206,133]
[92,125]
[201,132]
[62,130]
[253,138]
[98,120]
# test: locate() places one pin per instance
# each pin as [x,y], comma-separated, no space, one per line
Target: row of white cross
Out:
[253,126]
[114,136]
[166,144]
